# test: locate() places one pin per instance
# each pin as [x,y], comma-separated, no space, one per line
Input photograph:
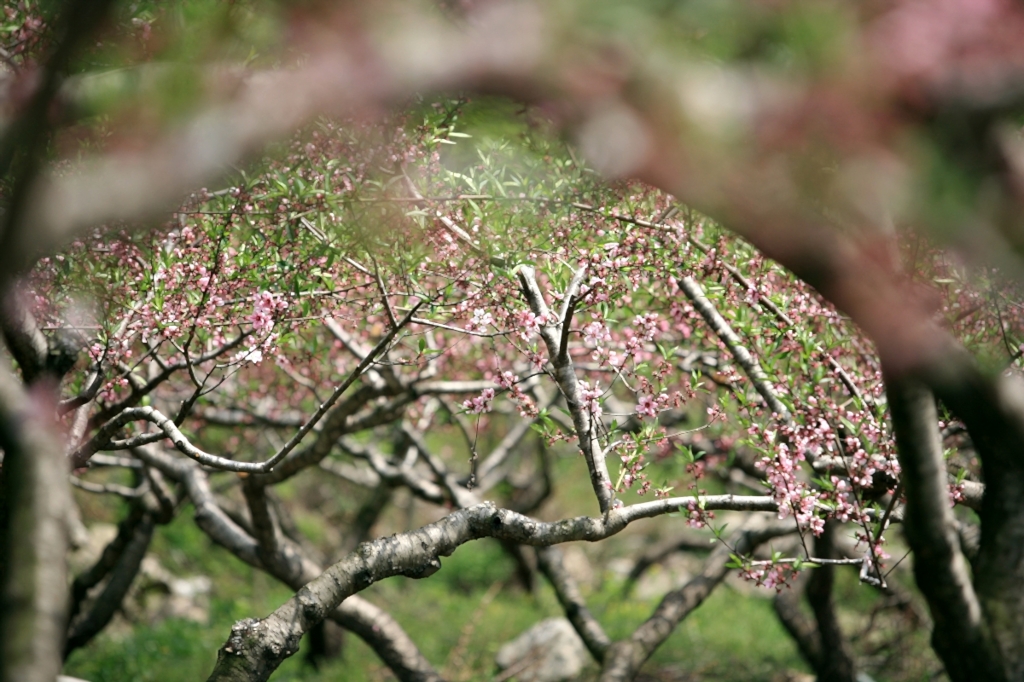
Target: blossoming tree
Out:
[360,294]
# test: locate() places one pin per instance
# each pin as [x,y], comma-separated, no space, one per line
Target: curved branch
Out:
[170,431]
[111,488]
[689,540]
[787,607]
[23,338]
[834,660]
[373,625]
[387,638]
[141,391]
[257,647]
[381,346]
[109,600]
[336,423]
[396,475]
[490,471]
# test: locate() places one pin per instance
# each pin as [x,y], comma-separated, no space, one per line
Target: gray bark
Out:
[787,607]
[381,632]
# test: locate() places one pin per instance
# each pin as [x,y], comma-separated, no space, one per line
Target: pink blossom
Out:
[647,407]
[529,324]
[591,399]
[481,403]
[595,333]
[481,320]
[647,324]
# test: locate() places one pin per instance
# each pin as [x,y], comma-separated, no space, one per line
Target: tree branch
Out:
[624,658]
[23,338]
[257,647]
[787,607]
[960,636]
[744,359]
[834,660]
[568,383]
[373,625]
[549,560]
[34,505]
[121,576]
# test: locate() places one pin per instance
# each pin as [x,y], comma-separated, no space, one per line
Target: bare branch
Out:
[120,579]
[568,383]
[169,431]
[166,371]
[787,607]
[92,386]
[744,359]
[549,560]
[21,142]
[26,342]
[361,476]
[111,488]
[396,475]
[689,540]
[489,472]
[834,660]
[387,638]
[349,380]
[375,626]
[103,436]
[624,658]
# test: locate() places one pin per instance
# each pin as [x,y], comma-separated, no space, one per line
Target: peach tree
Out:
[760,276]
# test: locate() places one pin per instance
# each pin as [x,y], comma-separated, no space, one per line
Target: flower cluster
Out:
[650,406]
[697,517]
[590,397]
[481,403]
[266,306]
[529,324]
[481,321]
[525,404]
[771,576]
[252,274]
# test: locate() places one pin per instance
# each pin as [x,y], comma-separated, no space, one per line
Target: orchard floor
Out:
[463,614]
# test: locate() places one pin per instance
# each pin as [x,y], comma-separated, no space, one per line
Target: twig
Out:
[355,374]
[568,383]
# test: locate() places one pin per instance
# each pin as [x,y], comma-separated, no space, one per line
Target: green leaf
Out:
[686,453]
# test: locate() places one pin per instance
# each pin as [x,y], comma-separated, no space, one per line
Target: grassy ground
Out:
[463,614]
[459,617]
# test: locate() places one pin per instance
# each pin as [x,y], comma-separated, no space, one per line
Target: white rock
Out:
[550,651]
